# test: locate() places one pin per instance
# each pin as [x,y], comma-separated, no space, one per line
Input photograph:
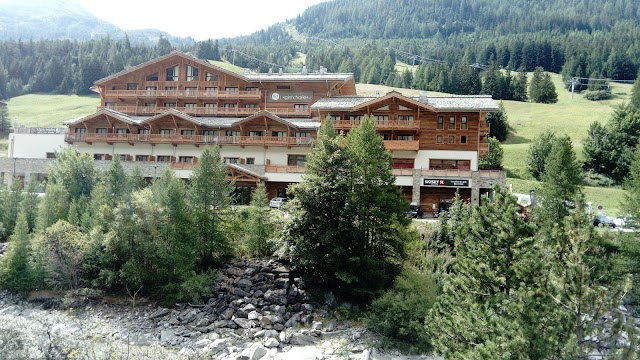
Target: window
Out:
[152,77]
[452,122]
[333,117]
[386,136]
[211,77]
[210,90]
[296,160]
[166,131]
[172,73]
[439,139]
[192,73]
[191,90]
[190,105]
[405,117]
[381,117]
[210,133]
[463,139]
[101,130]
[152,88]
[251,161]
[452,139]
[142,157]
[300,107]
[386,107]
[163,158]
[232,133]
[356,117]
[255,133]
[187,132]
[463,122]
[143,131]
[279,134]
[80,130]
[210,105]
[150,104]
[122,131]
[170,88]
[230,106]
[252,89]
[228,160]
[51,155]
[132,86]
[185,159]
[437,164]
[303,137]
[405,137]
[440,122]
[250,106]
[231,89]
[124,157]
[110,105]
[98,156]
[283,87]
[402,107]
[169,104]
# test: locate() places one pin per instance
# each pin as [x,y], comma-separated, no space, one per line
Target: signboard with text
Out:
[446,182]
[290,96]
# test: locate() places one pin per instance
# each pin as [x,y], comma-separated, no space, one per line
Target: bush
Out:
[597,95]
[399,314]
[598,180]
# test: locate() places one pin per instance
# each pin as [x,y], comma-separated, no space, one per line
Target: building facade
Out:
[162,113]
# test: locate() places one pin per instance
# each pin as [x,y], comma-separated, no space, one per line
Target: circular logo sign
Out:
[275,96]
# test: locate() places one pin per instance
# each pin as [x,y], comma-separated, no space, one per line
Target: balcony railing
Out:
[402,172]
[174,94]
[284,169]
[183,165]
[190,139]
[205,111]
[409,145]
[380,124]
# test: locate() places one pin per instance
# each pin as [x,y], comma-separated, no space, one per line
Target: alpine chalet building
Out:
[162,113]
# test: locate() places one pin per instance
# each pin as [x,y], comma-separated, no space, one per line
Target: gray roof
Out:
[298,77]
[453,102]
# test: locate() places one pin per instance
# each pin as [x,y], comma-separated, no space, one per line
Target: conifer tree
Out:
[15,268]
[498,124]
[520,86]
[539,150]
[5,121]
[209,198]
[11,205]
[259,226]
[635,94]
[631,203]
[562,179]
[493,159]
[116,181]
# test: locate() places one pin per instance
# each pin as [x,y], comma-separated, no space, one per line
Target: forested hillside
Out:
[588,38]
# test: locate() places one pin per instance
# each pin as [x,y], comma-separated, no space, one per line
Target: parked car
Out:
[276,202]
[603,220]
[415,211]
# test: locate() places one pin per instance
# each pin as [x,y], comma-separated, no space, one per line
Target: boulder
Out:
[302,339]
[243,323]
[159,313]
[271,343]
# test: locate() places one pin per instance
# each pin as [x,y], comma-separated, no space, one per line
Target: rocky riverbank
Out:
[256,312]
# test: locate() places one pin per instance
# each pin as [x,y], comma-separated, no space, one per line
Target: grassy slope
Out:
[46,110]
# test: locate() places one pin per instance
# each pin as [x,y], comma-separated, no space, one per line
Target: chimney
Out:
[280,72]
[423,97]
[304,70]
[270,71]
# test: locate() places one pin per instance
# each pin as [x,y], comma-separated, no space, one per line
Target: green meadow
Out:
[46,110]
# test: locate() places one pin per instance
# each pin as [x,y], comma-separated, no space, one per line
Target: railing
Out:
[190,139]
[284,169]
[196,94]
[409,145]
[183,165]
[447,173]
[402,172]
[213,111]
[380,124]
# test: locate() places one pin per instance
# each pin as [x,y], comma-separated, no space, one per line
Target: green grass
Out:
[46,110]
[297,62]
[401,67]
[228,66]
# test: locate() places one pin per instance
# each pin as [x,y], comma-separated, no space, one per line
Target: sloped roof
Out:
[299,77]
[441,103]
[105,111]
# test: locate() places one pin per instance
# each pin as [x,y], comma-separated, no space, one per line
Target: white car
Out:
[276,202]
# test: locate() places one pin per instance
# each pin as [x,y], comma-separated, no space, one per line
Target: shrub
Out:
[597,95]
[591,178]
[399,314]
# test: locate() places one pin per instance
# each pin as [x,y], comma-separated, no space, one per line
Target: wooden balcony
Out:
[179,94]
[205,111]
[380,124]
[183,165]
[190,139]
[284,169]
[408,145]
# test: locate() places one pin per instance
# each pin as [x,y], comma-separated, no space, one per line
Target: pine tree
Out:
[209,198]
[5,121]
[520,86]
[498,124]
[11,205]
[635,94]
[480,312]
[562,179]
[631,203]
[493,159]
[116,181]
[539,150]
[15,269]
[259,226]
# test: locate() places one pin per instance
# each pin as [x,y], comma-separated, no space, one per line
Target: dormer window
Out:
[192,73]
[172,73]
[152,77]
[212,77]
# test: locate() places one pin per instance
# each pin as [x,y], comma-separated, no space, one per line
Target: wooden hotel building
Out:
[163,112]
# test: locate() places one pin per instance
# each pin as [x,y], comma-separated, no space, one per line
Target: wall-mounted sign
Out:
[446,182]
[290,96]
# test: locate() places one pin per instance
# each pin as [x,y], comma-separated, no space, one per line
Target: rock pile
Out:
[3,248]
[255,299]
